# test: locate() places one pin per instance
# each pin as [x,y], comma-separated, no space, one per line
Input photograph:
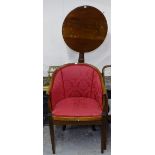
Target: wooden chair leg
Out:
[51,126]
[102,138]
[105,134]
[93,128]
[64,127]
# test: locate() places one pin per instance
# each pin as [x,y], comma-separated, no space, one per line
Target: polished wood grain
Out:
[84,29]
[77,118]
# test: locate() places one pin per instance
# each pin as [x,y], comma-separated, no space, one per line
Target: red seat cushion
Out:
[77,107]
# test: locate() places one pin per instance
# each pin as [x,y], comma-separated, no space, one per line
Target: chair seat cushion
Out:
[77,107]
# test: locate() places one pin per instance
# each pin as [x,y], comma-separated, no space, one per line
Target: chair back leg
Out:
[64,127]
[93,128]
[105,134]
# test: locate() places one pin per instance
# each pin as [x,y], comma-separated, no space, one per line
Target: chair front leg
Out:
[103,134]
[104,122]
[51,126]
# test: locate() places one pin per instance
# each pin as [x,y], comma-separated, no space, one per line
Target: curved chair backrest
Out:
[76,80]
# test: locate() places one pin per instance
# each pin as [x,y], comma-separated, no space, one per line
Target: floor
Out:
[76,140]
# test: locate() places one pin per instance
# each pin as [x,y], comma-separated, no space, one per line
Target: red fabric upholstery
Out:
[77,106]
[57,91]
[76,85]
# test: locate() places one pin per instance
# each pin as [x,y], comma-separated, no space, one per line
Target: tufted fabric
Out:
[76,91]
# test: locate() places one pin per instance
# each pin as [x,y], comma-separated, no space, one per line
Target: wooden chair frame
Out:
[102,120]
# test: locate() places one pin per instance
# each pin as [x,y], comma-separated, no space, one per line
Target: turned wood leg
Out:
[51,126]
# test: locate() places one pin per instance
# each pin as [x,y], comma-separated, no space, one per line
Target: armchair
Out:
[77,96]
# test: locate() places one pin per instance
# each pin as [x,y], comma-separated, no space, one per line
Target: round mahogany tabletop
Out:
[84,29]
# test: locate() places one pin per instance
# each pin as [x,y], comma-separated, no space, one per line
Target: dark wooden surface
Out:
[84,29]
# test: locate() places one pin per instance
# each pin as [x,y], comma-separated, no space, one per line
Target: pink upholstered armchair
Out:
[77,97]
